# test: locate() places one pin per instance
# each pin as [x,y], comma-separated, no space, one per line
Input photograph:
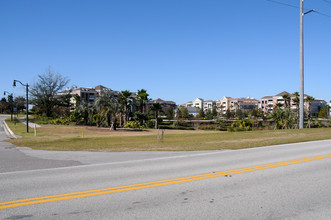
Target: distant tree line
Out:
[127,111]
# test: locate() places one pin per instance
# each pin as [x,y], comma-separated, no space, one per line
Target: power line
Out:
[322,14]
[282,3]
[327,1]
[293,6]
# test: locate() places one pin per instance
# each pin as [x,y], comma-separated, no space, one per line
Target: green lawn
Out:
[57,137]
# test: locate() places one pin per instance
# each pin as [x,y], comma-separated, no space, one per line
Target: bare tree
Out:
[43,91]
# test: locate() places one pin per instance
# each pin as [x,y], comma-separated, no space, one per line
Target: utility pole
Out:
[302,94]
[302,101]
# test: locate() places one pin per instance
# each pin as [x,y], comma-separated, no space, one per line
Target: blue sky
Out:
[175,49]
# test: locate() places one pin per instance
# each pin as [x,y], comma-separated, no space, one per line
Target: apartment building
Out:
[233,104]
[163,103]
[201,104]
[268,103]
[86,94]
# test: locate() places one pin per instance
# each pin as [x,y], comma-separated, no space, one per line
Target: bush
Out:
[209,127]
[59,121]
[175,127]
[243,125]
[132,124]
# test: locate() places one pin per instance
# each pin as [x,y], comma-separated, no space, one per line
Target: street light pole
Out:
[11,103]
[302,94]
[27,103]
[302,104]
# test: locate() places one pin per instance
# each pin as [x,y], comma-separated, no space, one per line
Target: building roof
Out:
[284,93]
[267,97]
[200,99]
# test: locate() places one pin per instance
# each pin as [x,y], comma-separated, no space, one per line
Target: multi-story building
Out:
[201,104]
[268,103]
[233,104]
[86,94]
[163,103]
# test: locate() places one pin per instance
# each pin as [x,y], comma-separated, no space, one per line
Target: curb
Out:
[8,131]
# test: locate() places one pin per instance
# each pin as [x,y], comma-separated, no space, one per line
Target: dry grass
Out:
[57,137]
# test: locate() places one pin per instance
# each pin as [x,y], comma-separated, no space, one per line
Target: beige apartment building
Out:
[233,104]
[268,103]
[86,94]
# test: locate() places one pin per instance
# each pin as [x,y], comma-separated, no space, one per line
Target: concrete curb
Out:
[8,131]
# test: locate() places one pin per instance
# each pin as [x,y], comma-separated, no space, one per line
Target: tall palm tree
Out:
[156,107]
[287,100]
[142,98]
[296,100]
[124,99]
[221,108]
[309,100]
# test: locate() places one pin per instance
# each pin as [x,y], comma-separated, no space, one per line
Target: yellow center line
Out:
[88,193]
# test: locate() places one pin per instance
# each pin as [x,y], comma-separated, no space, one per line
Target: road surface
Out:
[277,182]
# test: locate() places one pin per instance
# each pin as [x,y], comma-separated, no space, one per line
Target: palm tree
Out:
[108,107]
[236,106]
[101,105]
[221,108]
[296,100]
[269,106]
[277,116]
[86,111]
[124,99]
[309,100]
[156,107]
[278,105]
[142,98]
[287,100]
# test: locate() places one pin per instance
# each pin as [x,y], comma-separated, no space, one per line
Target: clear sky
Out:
[175,49]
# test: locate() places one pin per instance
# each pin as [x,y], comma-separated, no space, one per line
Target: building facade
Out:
[200,103]
[269,103]
[233,104]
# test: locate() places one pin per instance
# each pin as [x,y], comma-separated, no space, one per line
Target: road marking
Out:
[74,195]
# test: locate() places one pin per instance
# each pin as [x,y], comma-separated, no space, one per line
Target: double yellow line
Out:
[74,195]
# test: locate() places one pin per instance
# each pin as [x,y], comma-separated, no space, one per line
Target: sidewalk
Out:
[31,124]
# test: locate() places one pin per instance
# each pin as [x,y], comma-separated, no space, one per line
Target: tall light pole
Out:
[302,105]
[10,103]
[27,103]
[302,94]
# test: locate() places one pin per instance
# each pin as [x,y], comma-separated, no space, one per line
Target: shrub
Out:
[209,127]
[243,125]
[132,124]
[59,121]
[175,127]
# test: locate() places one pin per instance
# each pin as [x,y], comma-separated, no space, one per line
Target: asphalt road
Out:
[143,185]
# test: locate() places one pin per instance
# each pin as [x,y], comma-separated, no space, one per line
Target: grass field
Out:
[81,138]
